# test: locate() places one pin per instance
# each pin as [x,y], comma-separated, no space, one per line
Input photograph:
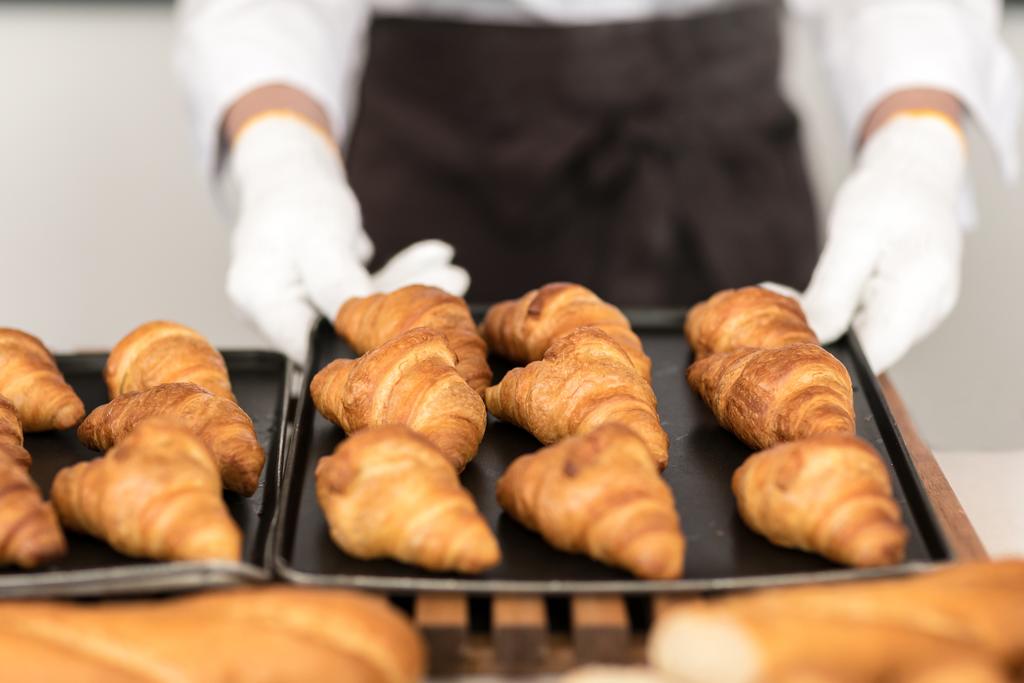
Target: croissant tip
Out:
[878,546]
[482,557]
[44,546]
[69,415]
[657,556]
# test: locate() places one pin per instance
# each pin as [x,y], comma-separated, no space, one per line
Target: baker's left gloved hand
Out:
[891,262]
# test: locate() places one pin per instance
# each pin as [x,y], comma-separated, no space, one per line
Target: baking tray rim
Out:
[656,319]
[628,586]
[165,576]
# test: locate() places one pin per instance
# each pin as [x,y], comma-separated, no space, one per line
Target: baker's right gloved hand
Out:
[299,249]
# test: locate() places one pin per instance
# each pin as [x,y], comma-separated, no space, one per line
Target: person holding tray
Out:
[640,148]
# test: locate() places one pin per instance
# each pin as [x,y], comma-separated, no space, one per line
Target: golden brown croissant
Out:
[523,329]
[219,423]
[257,635]
[30,379]
[11,439]
[30,534]
[410,380]
[751,317]
[388,492]
[599,494]
[864,631]
[827,494]
[156,494]
[769,396]
[161,352]
[366,323]
[584,381]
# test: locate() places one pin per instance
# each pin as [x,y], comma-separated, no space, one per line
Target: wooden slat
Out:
[963,539]
[444,621]
[519,627]
[600,628]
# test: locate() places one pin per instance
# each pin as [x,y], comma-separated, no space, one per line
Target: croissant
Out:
[827,494]
[367,322]
[748,317]
[523,329]
[599,494]
[768,396]
[29,532]
[878,630]
[388,492]
[30,379]
[156,494]
[584,381]
[258,635]
[12,441]
[410,380]
[162,352]
[219,423]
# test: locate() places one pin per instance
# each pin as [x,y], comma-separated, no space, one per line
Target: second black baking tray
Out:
[91,567]
[722,554]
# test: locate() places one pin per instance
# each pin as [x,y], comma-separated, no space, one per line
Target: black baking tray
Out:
[722,553]
[92,568]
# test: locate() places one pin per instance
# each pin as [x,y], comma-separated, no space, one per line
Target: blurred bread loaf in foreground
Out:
[257,635]
[966,618]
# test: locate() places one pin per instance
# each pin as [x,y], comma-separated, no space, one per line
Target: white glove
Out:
[299,249]
[891,262]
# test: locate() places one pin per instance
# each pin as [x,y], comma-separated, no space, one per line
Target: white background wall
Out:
[105,222]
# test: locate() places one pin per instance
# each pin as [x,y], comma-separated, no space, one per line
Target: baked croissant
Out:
[584,381]
[162,352]
[258,635]
[523,329]
[367,322]
[827,494]
[748,317]
[769,396]
[219,423]
[30,379]
[388,492]
[156,494]
[599,494]
[863,631]
[12,441]
[410,380]
[30,534]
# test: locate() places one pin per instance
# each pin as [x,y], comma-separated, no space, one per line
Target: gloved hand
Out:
[891,262]
[299,249]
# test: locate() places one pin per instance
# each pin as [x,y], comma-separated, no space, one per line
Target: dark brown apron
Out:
[654,162]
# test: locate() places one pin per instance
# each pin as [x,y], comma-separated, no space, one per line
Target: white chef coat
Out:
[871,48]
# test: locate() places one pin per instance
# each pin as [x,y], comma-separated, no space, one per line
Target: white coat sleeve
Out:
[226,48]
[873,48]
